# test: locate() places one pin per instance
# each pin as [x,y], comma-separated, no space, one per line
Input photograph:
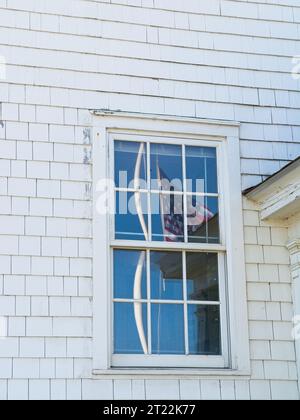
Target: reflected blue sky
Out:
[126,153]
[127,223]
[201,169]
[166,163]
[126,337]
[167,329]
[125,265]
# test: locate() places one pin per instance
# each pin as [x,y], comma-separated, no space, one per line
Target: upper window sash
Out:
[149,196]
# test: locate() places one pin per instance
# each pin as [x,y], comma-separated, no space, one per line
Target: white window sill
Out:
[173,373]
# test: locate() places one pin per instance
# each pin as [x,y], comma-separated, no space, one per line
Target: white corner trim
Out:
[294,250]
[294,246]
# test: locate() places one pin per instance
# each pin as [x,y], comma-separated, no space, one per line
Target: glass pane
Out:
[130,328]
[201,169]
[167,329]
[203,219]
[202,276]
[204,330]
[213,228]
[130,281]
[130,162]
[166,275]
[166,167]
[131,220]
[167,217]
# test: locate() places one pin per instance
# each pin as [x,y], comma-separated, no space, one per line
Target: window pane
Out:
[166,275]
[130,160]
[131,220]
[204,330]
[167,217]
[167,329]
[130,328]
[201,169]
[202,276]
[130,274]
[213,229]
[166,167]
[203,219]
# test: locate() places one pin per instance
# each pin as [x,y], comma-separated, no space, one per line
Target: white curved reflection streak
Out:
[137,289]
[138,307]
[137,194]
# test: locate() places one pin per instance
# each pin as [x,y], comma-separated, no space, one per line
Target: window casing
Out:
[151,350]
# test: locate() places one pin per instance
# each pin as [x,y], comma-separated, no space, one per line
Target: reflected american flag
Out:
[172,213]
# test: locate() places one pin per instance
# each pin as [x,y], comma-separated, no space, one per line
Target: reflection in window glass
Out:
[167,217]
[202,276]
[203,219]
[213,224]
[204,330]
[166,275]
[130,274]
[131,220]
[201,169]
[130,159]
[167,329]
[166,167]
[130,328]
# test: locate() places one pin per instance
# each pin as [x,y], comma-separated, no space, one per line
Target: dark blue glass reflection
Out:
[213,227]
[167,329]
[204,330]
[202,276]
[166,167]
[126,333]
[126,263]
[166,275]
[131,223]
[201,169]
[127,160]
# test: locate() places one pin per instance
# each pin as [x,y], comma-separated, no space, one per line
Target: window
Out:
[167,253]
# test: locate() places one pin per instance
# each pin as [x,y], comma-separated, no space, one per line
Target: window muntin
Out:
[196,301]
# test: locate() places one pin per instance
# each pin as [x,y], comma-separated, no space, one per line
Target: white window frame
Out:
[224,136]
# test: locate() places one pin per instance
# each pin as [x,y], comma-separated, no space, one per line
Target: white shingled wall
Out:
[213,59]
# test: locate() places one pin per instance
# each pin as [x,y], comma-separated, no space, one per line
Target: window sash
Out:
[187,360]
[168,140]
